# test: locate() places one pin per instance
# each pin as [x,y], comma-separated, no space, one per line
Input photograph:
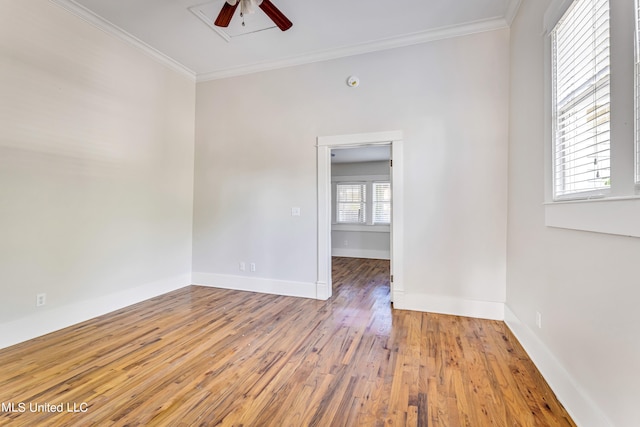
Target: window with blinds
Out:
[581,99]
[351,203]
[381,203]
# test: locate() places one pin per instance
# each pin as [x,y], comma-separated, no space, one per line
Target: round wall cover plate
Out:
[353,81]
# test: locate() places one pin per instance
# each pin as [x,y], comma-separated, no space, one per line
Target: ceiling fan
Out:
[248,6]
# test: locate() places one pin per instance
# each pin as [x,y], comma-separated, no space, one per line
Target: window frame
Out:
[369,225]
[363,202]
[617,211]
[573,111]
[375,202]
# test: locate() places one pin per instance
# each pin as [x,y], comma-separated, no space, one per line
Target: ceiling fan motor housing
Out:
[248,6]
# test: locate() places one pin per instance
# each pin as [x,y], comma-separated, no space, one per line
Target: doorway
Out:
[325,145]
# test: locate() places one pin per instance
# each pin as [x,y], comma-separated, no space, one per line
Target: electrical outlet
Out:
[41,299]
[242,266]
[253,266]
[539,320]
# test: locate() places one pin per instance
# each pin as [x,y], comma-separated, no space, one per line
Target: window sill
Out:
[384,228]
[610,215]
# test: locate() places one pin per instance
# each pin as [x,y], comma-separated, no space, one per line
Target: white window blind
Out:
[381,203]
[581,99]
[351,203]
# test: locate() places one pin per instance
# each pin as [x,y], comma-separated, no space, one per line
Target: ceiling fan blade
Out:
[276,16]
[225,15]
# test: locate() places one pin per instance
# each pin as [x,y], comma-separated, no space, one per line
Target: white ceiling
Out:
[322,29]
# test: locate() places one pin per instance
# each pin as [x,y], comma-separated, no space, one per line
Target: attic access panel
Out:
[254,22]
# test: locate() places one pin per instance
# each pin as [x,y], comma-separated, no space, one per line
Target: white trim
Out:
[358,178]
[397,219]
[324,145]
[374,46]
[512,11]
[361,253]
[341,52]
[610,216]
[397,298]
[375,228]
[548,117]
[615,212]
[554,12]
[256,284]
[372,138]
[362,180]
[322,291]
[324,218]
[45,322]
[117,32]
[599,198]
[450,305]
[582,409]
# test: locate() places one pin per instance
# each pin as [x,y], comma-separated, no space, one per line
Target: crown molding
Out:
[111,29]
[374,46]
[512,11]
[325,55]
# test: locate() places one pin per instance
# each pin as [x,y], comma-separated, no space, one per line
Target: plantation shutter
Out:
[381,203]
[581,98]
[351,203]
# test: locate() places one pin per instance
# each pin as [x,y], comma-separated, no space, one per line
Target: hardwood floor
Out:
[202,356]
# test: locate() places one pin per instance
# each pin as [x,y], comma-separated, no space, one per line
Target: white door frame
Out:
[324,145]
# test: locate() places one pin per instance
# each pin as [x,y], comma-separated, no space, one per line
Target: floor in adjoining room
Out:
[203,357]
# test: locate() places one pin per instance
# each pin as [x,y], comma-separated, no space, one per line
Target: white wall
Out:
[360,169]
[255,159]
[96,167]
[361,244]
[584,284]
[96,171]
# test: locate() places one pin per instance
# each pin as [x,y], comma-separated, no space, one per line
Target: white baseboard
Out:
[45,322]
[322,291]
[582,409]
[448,305]
[360,253]
[256,284]
[397,298]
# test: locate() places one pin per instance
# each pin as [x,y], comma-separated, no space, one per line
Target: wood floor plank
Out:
[203,357]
